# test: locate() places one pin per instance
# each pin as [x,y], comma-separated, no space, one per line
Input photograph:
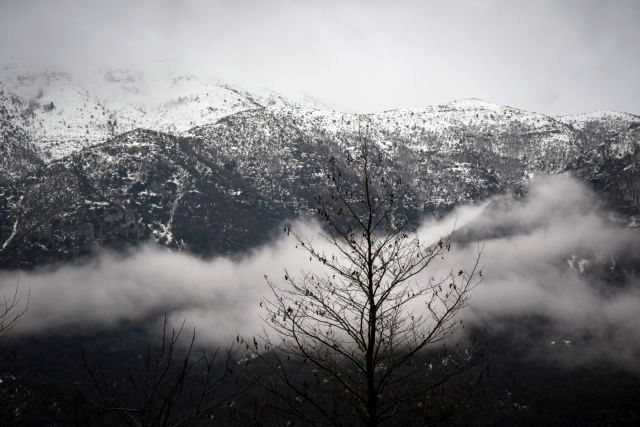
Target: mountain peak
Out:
[475,104]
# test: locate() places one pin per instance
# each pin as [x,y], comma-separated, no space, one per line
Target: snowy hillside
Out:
[201,166]
[63,113]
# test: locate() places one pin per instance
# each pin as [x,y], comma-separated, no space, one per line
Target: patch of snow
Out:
[14,231]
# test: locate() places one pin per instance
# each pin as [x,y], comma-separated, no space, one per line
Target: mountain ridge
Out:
[229,178]
[187,101]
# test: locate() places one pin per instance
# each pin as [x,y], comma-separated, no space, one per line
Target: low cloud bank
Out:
[562,259]
[219,296]
[555,255]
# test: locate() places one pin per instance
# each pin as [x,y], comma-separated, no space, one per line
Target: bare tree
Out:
[13,396]
[173,387]
[361,327]
[11,310]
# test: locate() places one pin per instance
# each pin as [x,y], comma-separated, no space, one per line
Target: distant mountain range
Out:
[209,168]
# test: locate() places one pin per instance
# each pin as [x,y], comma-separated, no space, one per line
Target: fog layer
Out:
[555,256]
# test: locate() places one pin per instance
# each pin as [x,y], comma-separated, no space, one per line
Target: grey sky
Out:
[548,56]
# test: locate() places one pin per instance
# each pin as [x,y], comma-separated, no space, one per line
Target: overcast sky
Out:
[548,56]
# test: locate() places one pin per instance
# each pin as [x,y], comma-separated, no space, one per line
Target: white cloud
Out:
[530,268]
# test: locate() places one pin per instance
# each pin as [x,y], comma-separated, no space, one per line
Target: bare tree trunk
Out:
[362,321]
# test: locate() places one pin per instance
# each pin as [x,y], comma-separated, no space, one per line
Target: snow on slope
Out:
[615,120]
[63,114]
[443,128]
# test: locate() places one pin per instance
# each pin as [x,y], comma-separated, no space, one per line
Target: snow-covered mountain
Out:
[64,114]
[203,166]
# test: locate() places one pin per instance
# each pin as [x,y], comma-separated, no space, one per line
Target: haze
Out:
[546,56]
